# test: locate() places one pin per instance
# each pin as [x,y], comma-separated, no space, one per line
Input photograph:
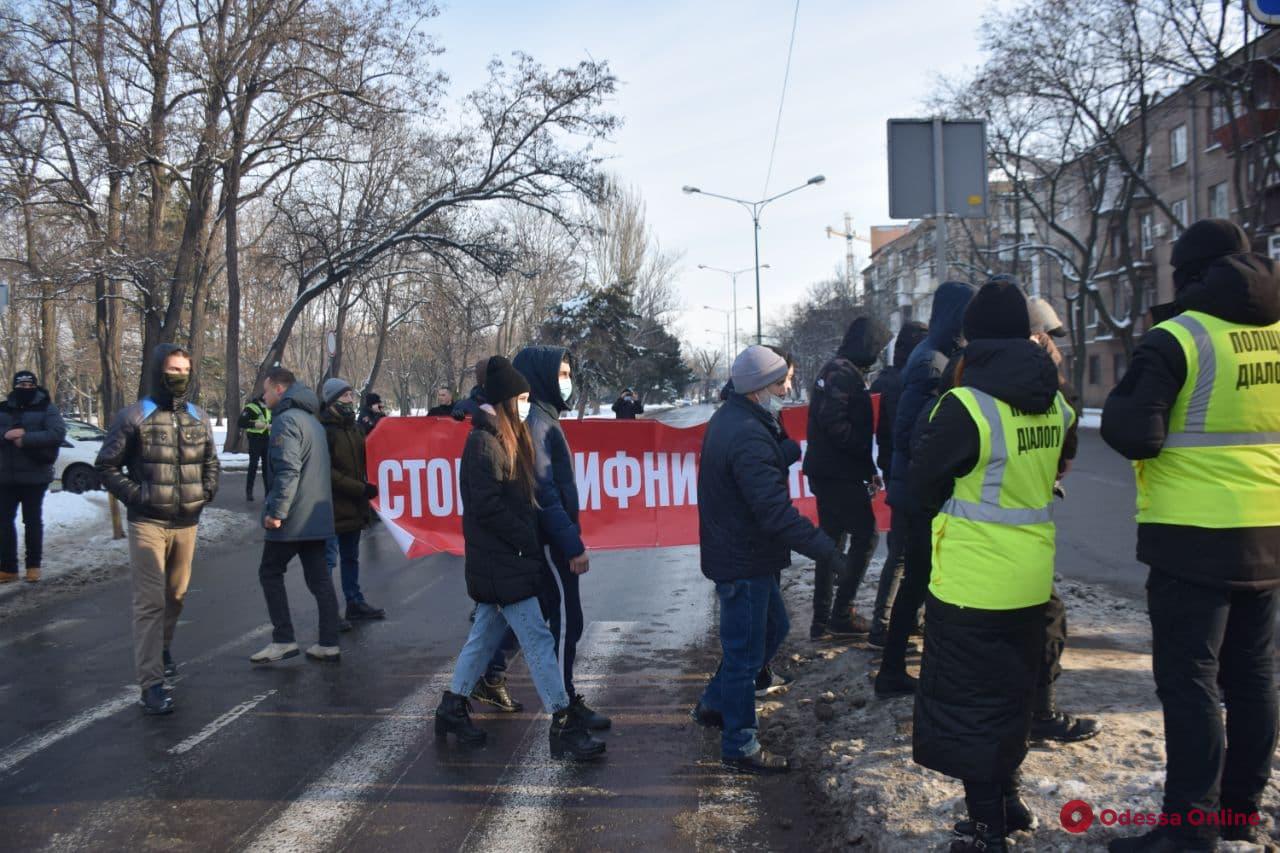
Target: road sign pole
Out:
[939,202]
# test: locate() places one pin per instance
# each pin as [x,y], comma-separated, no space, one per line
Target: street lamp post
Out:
[754,208]
[733,293]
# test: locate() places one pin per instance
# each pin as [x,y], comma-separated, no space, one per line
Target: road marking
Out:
[23,748]
[52,626]
[518,815]
[217,725]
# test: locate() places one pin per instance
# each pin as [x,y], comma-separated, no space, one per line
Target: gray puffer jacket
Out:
[32,463]
[301,492]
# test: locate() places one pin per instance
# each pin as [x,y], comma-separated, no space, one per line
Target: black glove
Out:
[370,491]
[459,415]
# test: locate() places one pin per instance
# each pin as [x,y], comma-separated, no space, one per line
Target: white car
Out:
[75,460]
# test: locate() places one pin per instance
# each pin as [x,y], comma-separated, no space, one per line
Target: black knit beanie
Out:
[24,376]
[502,381]
[1202,244]
[998,310]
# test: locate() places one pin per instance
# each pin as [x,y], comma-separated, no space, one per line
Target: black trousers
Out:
[258,447]
[562,606]
[315,570]
[918,546]
[1055,641]
[844,514]
[890,575]
[1213,647]
[31,499]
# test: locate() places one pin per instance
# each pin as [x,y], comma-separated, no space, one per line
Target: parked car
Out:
[75,461]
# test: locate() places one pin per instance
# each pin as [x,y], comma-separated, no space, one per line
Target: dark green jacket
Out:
[351,511]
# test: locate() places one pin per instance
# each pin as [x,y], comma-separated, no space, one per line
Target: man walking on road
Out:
[748,528]
[255,420]
[31,432]
[843,476]
[298,516]
[159,459]
[1199,413]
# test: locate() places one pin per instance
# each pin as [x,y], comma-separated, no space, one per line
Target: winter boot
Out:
[1050,724]
[452,716]
[983,840]
[849,626]
[580,710]
[706,717]
[1162,839]
[1255,835]
[344,626]
[170,668]
[761,763]
[361,610]
[155,702]
[33,574]
[495,693]
[570,738]
[8,577]
[1018,816]
[985,803]
[892,685]
[769,682]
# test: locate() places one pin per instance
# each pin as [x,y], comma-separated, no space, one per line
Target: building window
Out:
[1179,209]
[1095,370]
[1178,146]
[1218,201]
[1120,300]
[1146,227]
[1117,366]
[1090,313]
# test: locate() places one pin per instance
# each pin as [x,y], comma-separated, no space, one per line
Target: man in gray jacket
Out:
[298,516]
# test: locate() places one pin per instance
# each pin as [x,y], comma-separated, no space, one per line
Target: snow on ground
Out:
[855,750]
[229,461]
[1091,419]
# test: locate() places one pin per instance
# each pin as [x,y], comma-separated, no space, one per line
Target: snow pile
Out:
[855,750]
[229,461]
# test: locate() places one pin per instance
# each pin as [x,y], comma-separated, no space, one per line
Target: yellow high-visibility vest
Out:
[1220,464]
[994,540]
[261,413]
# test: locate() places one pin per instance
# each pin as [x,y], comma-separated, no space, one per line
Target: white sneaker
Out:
[274,652]
[328,654]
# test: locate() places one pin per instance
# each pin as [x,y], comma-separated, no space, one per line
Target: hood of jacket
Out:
[299,396]
[863,342]
[541,368]
[1240,288]
[1014,370]
[909,336]
[946,320]
[155,376]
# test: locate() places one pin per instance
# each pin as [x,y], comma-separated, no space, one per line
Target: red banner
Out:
[637,481]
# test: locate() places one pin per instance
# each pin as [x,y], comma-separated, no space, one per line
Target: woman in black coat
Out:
[505,566]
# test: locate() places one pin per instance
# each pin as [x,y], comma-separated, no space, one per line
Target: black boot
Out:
[984,840]
[155,702]
[890,685]
[570,738]
[985,802]
[580,710]
[1050,724]
[452,716]
[495,693]
[1018,816]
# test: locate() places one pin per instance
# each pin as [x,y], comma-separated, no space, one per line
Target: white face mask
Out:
[523,407]
[774,404]
[566,389]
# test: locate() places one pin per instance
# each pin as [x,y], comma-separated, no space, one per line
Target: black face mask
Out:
[177,383]
[24,396]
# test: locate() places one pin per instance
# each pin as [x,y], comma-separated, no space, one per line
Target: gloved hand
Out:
[370,491]
[459,415]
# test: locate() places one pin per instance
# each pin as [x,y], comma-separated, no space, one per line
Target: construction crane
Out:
[849,236]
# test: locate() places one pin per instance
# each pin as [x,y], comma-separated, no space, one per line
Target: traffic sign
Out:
[1266,11]
[914,161]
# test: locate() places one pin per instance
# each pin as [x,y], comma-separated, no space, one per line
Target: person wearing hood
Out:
[549,372]
[888,384]
[1198,412]
[920,378]
[370,413]
[843,476]
[470,405]
[297,514]
[31,432]
[352,492]
[985,462]
[506,569]
[628,406]
[160,461]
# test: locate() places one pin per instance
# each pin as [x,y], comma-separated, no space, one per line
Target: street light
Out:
[727,315]
[754,208]
[733,292]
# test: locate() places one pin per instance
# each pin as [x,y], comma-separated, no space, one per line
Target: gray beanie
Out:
[333,389]
[757,367]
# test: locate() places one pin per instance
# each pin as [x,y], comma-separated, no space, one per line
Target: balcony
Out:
[1248,127]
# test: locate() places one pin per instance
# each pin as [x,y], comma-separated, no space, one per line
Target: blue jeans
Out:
[487,632]
[747,640]
[348,545]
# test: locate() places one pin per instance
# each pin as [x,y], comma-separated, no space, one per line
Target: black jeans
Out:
[1214,647]
[890,575]
[844,512]
[562,605]
[275,560]
[258,447]
[918,544]
[31,499]
[1055,641]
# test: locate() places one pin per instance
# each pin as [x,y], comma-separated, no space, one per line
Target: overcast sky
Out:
[700,84]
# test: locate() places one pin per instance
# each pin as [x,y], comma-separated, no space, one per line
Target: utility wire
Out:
[773,149]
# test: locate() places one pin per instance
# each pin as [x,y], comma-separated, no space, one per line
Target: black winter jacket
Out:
[627,410]
[470,405]
[748,526]
[920,379]
[841,424]
[888,384]
[348,474]
[504,561]
[32,463]
[159,457]
[1135,420]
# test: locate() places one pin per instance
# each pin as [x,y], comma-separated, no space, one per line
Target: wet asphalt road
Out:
[307,756]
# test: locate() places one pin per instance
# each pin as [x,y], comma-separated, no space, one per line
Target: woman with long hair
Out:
[505,567]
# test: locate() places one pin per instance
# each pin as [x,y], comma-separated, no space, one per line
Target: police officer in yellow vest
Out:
[255,420]
[986,462]
[1199,413]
